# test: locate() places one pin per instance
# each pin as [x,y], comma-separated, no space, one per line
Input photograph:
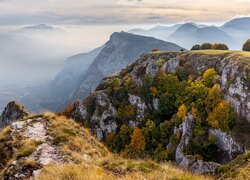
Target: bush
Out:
[246,46]
[206,46]
[126,112]
[220,46]
[196,47]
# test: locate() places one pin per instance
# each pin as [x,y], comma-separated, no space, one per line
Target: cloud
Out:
[118,11]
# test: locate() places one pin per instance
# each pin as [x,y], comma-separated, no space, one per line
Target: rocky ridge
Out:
[233,69]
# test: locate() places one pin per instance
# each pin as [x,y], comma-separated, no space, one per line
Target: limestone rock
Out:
[227,143]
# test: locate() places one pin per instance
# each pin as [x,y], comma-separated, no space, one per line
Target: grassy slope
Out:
[102,164]
[85,157]
[243,56]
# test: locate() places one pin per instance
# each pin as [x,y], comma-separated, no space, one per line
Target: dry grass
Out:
[86,172]
[77,142]
[74,141]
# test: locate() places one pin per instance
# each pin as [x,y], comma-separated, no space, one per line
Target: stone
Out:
[141,106]
[227,143]
[13,111]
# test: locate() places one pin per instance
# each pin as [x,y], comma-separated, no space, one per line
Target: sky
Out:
[119,11]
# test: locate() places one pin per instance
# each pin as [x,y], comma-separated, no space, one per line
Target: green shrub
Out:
[206,46]
[196,47]
[246,46]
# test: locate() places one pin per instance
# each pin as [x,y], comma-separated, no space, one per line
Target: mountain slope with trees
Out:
[165,104]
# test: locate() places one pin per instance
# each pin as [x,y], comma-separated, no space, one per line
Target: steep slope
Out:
[183,99]
[189,34]
[49,147]
[70,76]
[119,51]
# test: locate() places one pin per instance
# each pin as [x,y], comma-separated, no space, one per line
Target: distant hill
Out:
[188,34]
[238,28]
[233,33]
[38,29]
[159,31]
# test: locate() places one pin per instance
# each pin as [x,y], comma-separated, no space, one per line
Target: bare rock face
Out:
[102,118]
[141,106]
[13,111]
[188,161]
[172,64]
[227,143]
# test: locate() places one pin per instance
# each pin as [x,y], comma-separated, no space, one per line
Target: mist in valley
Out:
[32,55]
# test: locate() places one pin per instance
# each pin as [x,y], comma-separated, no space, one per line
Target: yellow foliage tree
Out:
[222,116]
[213,98]
[209,77]
[137,143]
[182,112]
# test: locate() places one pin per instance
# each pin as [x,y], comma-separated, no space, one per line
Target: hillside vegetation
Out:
[50,147]
[184,107]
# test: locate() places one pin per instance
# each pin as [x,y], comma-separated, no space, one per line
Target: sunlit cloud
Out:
[119,11]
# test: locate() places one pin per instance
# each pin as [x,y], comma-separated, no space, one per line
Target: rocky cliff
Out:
[121,50]
[147,90]
[12,111]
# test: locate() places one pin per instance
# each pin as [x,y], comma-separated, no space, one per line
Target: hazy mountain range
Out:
[82,73]
[233,33]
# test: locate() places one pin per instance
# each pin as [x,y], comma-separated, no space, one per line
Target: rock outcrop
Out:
[13,111]
[187,161]
[227,144]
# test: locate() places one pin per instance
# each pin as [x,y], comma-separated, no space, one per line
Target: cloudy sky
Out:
[119,11]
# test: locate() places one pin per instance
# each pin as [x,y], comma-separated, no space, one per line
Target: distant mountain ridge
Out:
[233,32]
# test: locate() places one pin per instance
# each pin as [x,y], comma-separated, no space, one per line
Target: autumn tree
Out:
[219,46]
[137,143]
[223,117]
[213,98]
[182,112]
[209,77]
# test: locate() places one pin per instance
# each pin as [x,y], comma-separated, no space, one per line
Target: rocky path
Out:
[44,153]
